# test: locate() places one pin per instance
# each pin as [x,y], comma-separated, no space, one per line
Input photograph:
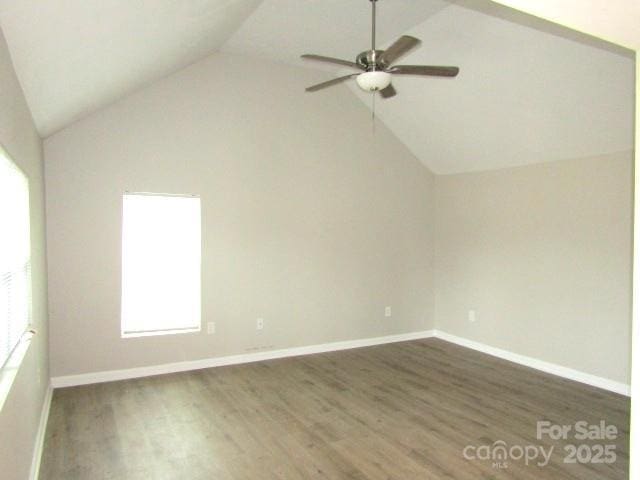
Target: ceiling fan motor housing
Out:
[371,60]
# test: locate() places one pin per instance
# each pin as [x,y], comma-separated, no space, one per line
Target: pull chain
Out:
[373,112]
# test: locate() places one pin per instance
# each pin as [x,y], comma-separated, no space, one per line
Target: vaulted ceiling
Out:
[527,92]
[74,56]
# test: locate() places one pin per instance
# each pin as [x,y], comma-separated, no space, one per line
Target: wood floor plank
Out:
[399,411]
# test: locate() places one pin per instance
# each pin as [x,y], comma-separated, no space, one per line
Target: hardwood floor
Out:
[400,411]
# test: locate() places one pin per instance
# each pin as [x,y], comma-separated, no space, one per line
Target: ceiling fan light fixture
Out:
[373,81]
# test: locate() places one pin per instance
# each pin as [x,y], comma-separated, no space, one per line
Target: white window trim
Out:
[10,369]
[155,333]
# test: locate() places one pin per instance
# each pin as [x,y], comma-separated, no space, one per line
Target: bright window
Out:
[160,264]
[15,257]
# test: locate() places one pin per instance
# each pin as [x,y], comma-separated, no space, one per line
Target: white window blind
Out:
[160,264]
[15,257]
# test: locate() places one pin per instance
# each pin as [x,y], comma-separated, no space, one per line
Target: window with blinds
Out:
[160,264]
[15,257]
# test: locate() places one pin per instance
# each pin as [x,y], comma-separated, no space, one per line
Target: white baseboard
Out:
[42,429]
[113,375]
[552,368]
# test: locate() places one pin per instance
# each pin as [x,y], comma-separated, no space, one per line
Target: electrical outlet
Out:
[387,311]
[260,324]
[472,316]
[211,328]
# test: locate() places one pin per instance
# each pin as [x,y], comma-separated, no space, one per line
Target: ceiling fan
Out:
[377,65]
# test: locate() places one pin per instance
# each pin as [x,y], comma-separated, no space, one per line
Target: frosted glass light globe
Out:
[373,81]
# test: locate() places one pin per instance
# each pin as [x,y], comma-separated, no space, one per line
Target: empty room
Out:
[294,239]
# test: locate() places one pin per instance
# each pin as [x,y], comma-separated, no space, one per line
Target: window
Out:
[160,264]
[15,257]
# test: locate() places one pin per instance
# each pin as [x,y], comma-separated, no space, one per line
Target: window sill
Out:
[160,332]
[10,370]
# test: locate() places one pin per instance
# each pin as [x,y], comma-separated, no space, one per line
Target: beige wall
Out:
[543,255]
[310,219]
[317,230]
[20,415]
[619,25]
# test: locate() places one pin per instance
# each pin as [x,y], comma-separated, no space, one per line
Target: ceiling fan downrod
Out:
[373,25]
[372,56]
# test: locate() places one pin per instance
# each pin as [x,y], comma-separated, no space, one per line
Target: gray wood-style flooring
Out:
[400,411]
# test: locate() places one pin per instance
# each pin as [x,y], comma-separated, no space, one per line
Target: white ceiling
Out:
[74,56]
[336,28]
[523,95]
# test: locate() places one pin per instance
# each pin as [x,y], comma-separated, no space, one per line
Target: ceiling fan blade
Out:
[424,70]
[388,92]
[336,61]
[335,81]
[401,47]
